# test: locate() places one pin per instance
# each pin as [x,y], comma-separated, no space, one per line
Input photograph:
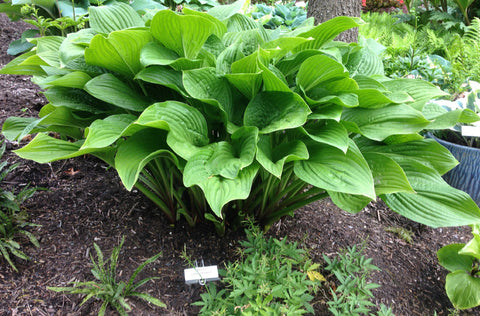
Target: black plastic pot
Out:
[466,175]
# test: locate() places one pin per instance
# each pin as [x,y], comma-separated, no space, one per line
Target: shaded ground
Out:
[86,203]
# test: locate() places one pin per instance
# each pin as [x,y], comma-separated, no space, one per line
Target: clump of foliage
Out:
[281,15]
[13,219]
[212,116]
[353,294]
[463,261]
[108,289]
[273,277]
[401,232]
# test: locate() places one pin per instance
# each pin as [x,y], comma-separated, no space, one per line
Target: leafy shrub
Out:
[272,278]
[211,115]
[287,15]
[108,289]
[13,219]
[465,55]
[352,295]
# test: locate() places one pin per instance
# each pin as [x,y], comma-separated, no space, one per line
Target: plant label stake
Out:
[201,275]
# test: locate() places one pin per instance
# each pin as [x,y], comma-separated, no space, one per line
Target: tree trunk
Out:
[323,10]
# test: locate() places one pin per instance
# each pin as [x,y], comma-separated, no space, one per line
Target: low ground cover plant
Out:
[13,219]
[108,288]
[271,278]
[276,277]
[212,116]
[353,294]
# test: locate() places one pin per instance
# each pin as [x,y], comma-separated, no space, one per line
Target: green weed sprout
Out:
[108,289]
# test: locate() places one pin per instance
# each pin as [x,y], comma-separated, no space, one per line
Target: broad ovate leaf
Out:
[138,150]
[420,90]
[331,169]
[389,177]
[217,189]
[378,124]
[184,34]
[103,133]
[186,125]
[450,259]
[204,84]
[272,111]
[113,17]
[119,52]
[44,149]
[328,132]
[463,289]
[229,158]
[434,202]
[327,31]
[110,89]
[273,158]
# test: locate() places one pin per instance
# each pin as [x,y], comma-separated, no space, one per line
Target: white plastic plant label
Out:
[473,131]
[201,275]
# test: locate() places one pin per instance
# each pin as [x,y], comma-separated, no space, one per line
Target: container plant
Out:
[462,140]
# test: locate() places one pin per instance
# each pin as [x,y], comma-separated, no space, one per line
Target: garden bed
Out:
[85,203]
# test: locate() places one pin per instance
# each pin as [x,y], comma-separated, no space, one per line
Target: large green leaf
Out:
[434,202]
[139,149]
[273,111]
[229,158]
[349,202]
[185,34]
[327,31]
[420,90]
[220,28]
[378,124]
[248,84]
[75,99]
[204,84]
[76,79]
[156,54]
[102,133]
[329,132]
[331,169]
[44,149]
[186,125]
[25,64]
[273,157]
[450,259]
[162,76]
[463,289]
[114,17]
[119,52]
[389,177]
[472,248]
[223,12]
[217,189]
[318,70]
[426,151]
[110,89]
[365,62]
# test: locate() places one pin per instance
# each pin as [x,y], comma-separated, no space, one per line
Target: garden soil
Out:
[84,202]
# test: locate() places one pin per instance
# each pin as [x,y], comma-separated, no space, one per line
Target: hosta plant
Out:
[463,261]
[211,115]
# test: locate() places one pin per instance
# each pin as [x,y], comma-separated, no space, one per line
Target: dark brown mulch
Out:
[86,203]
